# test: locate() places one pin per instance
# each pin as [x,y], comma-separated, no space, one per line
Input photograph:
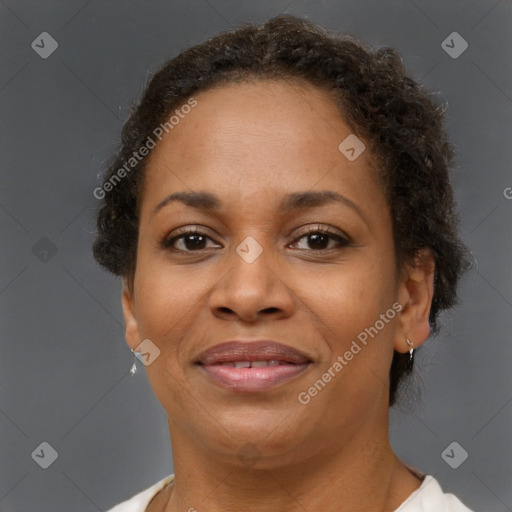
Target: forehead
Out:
[256,137]
[232,119]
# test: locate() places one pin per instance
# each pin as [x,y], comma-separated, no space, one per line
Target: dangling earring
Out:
[133,369]
[411,354]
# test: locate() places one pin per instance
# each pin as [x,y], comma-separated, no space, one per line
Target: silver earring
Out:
[133,369]
[411,354]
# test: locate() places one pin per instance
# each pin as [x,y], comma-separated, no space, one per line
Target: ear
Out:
[415,293]
[130,320]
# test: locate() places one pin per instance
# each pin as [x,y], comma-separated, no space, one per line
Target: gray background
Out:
[64,363]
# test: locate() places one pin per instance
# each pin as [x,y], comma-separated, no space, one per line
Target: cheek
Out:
[356,368]
[351,297]
[167,301]
[164,284]
[166,310]
[350,308]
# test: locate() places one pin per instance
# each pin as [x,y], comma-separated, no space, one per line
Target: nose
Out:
[251,290]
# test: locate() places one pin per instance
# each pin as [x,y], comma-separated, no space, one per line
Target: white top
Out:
[429,497]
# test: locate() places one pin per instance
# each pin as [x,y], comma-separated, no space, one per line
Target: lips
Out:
[261,350]
[252,365]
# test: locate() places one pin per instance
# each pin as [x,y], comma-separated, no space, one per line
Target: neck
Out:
[363,475]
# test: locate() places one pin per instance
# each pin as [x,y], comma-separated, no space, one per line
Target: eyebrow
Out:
[295,201]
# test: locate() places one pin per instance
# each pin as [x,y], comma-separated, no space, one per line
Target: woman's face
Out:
[254,273]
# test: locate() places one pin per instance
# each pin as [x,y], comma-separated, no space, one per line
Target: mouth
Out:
[252,365]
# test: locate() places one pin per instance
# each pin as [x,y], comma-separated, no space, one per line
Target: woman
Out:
[281,213]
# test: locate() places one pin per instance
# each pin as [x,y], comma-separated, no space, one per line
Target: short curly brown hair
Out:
[401,124]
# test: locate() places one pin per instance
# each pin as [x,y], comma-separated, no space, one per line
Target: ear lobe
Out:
[416,292]
[130,320]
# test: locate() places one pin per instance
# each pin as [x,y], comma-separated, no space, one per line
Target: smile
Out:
[252,366]
[253,375]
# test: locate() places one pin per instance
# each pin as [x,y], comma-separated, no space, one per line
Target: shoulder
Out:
[431,498]
[139,501]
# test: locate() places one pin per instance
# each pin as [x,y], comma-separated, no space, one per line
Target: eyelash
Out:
[168,242]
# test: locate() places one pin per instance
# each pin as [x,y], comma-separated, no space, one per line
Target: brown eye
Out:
[187,241]
[318,240]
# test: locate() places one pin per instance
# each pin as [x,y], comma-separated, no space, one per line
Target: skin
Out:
[251,144]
